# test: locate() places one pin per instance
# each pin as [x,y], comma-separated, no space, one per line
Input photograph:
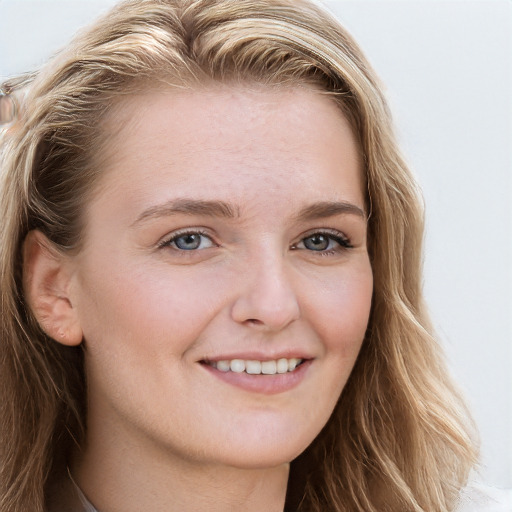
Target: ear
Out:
[46,283]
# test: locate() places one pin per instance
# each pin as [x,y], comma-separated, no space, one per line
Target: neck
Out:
[116,476]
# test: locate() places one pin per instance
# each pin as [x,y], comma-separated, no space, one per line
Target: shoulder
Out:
[482,498]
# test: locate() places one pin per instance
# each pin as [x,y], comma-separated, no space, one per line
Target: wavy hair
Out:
[400,438]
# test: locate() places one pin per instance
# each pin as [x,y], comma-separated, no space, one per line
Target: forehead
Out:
[217,103]
[223,140]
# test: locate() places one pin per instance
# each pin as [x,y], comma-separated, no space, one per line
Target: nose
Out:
[267,300]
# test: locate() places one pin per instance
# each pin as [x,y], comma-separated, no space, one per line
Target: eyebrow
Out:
[222,209]
[326,209]
[189,207]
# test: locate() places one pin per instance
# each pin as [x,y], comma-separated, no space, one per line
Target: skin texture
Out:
[165,431]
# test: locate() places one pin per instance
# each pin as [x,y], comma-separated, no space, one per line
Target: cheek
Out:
[146,308]
[340,310]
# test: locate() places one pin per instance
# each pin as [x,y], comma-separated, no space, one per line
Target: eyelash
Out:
[168,242]
[336,236]
[340,239]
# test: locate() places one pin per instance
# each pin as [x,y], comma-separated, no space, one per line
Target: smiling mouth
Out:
[255,367]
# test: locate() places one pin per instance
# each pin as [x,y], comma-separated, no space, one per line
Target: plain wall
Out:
[447,67]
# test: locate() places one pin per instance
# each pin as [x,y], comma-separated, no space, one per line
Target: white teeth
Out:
[237,365]
[282,365]
[254,367]
[269,367]
[292,364]
[223,366]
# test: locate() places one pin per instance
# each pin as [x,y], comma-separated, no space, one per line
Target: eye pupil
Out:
[316,242]
[188,242]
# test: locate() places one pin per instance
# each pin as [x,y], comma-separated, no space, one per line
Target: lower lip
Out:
[263,384]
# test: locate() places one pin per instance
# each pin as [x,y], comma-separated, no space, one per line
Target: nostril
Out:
[265,305]
[254,321]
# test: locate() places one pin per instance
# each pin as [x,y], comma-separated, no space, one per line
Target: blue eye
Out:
[189,241]
[323,242]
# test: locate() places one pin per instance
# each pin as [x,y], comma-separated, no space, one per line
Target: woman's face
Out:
[225,244]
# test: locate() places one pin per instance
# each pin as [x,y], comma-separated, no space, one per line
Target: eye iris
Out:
[317,242]
[188,242]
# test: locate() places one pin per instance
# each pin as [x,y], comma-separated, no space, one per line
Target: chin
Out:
[263,459]
[266,448]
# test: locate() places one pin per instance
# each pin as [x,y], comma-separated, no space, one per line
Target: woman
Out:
[211,289]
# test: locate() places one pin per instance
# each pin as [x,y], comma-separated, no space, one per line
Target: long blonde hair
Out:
[399,438]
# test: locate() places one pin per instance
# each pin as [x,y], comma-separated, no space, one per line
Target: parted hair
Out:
[400,438]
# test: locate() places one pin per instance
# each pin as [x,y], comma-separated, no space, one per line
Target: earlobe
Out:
[46,285]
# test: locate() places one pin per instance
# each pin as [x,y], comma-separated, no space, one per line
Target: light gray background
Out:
[447,66]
